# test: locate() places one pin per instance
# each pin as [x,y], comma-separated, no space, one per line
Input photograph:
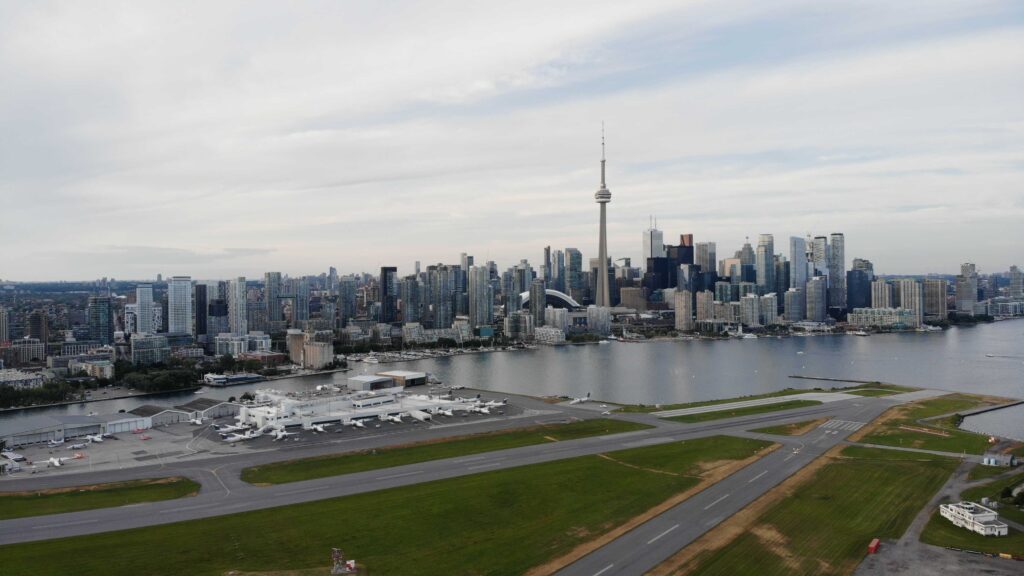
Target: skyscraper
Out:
[705,257]
[881,294]
[5,325]
[574,284]
[603,196]
[202,311]
[935,307]
[538,301]
[179,305]
[387,293]
[967,289]
[837,271]
[144,309]
[481,297]
[39,325]
[654,244]
[237,319]
[797,262]
[765,263]
[1016,283]
[858,289]
[101,320]
[819,256]
[910,297]
[684,310]
[272,296]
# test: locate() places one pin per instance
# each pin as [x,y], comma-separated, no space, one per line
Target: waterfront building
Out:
[819,256]
[387,293]
[548,335]
[817,296]
[557,318]
[101,320]
[910,297]
[603,196]
[967,289]
[769,313]
[898,318]
[794,305]
[237,318]
[317,355]
[798,262]
[837,271]
[144,312]
[765,263]
[881,294]
[750,310]
[599,320]
[179,305]
[634,298]
[684,311]
[518,325]
[20,380]
[272,295]
[935,291]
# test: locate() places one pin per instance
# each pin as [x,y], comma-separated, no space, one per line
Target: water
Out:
[1005,423]
[683,371]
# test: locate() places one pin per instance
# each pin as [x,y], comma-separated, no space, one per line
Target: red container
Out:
[873,547]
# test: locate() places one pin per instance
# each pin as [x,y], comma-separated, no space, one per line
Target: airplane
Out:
[197,421]
[318,428]
[55,442]
[94,438]
[229,428]
[78,446]
[240,437]
[56,461]
[480,409]
[389,418]
[606,413]
[356,423]
[580,400]
[495,403]
[281,434]
[444,412]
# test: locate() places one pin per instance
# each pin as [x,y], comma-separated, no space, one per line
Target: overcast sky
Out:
[224,138]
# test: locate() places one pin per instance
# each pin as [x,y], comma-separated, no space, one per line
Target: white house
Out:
[974,517]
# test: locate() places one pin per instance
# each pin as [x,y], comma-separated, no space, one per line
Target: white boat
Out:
[859,333]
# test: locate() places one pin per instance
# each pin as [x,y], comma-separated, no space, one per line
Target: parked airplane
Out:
[242,437]
[444,412]
[197,421]
[580,400]
[55,442]
[78,446]
[282,434]
[228,428]
[356,423]
[389,418]
[94,438]
[56,461]
[317,428]
[495,403]
[479,409]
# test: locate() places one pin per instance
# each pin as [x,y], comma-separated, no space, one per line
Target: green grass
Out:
[981,471]
[784,429]
[994,490]
[40,503]
[500,522]
[890,434]
[872,392]
[826,525]
[942,532]
[719,414]
[337,464]
[877,389]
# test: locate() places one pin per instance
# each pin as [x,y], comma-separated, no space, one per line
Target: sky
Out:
[217,139]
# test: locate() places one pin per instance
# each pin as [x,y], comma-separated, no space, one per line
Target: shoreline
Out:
[89,400]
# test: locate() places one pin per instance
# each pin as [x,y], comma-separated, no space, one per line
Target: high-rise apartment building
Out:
[237,317]
[387,293]
[179,305]
[819,251]
[574,283]
[864,265]
[144,309]
[797,262]
[5,325]
[705,306]
[538,301]
[202,311]
[837,271]
[881,294]
[684,310]
[481,297]
[705,256]
[1016,289]
[935,291]
[39,326]
[795,305]
[817,299]
[101,320]
[967,289]
[272,296]
[858,289]
[911,298]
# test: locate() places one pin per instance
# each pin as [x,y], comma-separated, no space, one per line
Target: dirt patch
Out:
[795,430]
[931,431]
[710,478]
[96,487]
[743,521]
[776,543]
[635,467]
[552,438]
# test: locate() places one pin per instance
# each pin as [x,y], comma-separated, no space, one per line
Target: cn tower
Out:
[603,196]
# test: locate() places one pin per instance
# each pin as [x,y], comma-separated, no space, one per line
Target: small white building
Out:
[974,517]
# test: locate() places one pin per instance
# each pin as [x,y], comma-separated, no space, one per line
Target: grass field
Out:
[994,490]
[794,429]
[58,501]
[335,465]
[826,525]
[719,414]
[945,435]
[980,472]
[500,522]
[872,392]
[942,532]
[876,389]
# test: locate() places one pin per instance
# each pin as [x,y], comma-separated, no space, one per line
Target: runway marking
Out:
[656,538]
[399,475]
[473,459]
[843,425]
[488,465]
[185,509]
[314,489]
[62,524]
[756,477]
[716,501]
[786,459]
[603,570]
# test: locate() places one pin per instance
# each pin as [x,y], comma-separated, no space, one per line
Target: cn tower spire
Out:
[603,196]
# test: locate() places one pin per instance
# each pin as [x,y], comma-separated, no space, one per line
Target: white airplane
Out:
[56,461]
[197,421]
[229,428]
[479,409]
[580,400]
[54,443]
[242,437]
[444,412]
[606,413]
[355,423]
[281,434]
[94,438]
[389,418]
[317,428]
[495,403]
[78,447]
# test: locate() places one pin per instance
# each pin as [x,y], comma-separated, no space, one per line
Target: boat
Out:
[859,333]
[371,360]
[231,379]
[749,336]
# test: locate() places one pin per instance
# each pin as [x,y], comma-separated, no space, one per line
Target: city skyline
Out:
[352,138]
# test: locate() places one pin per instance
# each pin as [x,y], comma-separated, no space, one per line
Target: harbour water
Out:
[985,359]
